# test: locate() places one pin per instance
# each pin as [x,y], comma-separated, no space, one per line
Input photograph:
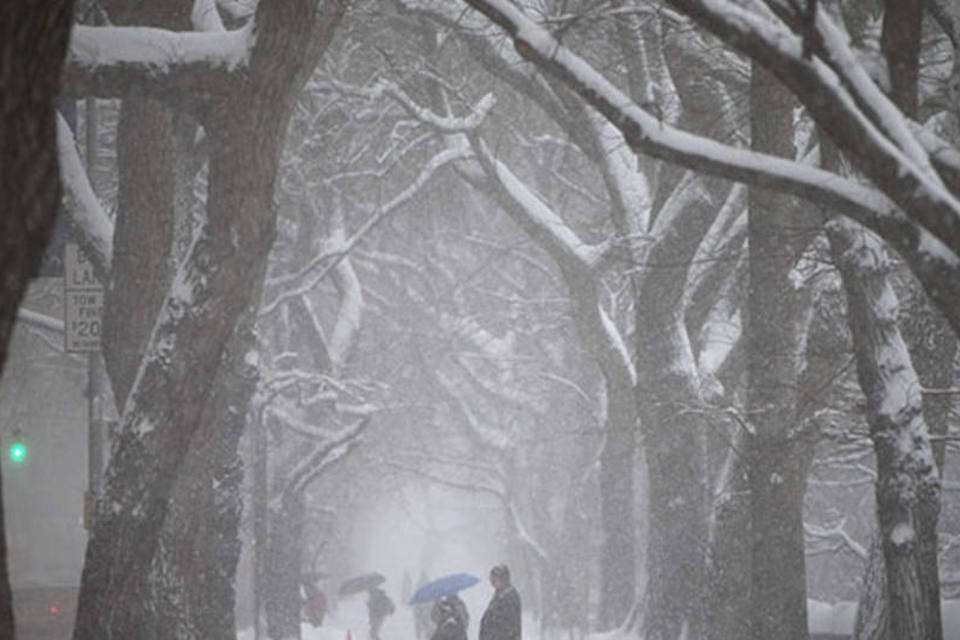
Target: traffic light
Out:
[17,451]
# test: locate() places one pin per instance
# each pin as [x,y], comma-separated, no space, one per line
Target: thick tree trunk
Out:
[33,43]
[192,580]
[669,396]
[143,236]
[216,283]
[283,564]
[908,488]
[775,455]
[931,343]
[730,549]
[674,601]
[143,232]
[872,622]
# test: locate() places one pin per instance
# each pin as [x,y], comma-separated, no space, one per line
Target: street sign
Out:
[83,302]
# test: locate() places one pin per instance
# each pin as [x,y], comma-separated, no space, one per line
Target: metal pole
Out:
[96,383]
[96,376]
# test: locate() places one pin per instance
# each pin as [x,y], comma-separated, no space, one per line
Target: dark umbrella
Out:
[358,584]
[443,587]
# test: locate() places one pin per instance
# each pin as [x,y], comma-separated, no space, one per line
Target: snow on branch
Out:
[40,320]
[347,324]
[323,458]
[838,536]
[205,17]
[87,216]
[535,216]
[577,260]
[448,124]
[106,62]
[894,170]
[647,133]
[934,262]
[238,9]
[333,258]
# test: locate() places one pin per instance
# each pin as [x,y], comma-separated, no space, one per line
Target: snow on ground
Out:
[351,616]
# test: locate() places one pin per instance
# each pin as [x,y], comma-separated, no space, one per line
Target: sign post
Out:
[83,312]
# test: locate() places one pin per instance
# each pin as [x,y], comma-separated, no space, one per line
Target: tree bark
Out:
[191,584]
[777,238]
[670,403]
[872,621]
[900,42]
[283,568]
[908,488]
[33,44]
[143,232]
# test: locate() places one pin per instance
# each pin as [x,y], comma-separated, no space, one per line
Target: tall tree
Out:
[776,465]
[908,487]
[33,44]
[217,281]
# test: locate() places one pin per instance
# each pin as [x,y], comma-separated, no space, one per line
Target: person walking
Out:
[448,614]
[501,620]
[379,606]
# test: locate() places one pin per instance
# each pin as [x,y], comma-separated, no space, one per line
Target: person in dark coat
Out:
[501,620]
[379,606]
[448,614]
[314,602]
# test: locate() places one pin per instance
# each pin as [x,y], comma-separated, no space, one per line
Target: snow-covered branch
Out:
[332,259]
[107,62]
[533,215]
[204,16]
[930,259]
[94,228]
[838,535]
[576,259]
[325,456]
[40,320]
[347,324]
[892,168]
[448,124]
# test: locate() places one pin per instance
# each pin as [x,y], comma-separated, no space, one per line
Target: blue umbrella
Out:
[443,587]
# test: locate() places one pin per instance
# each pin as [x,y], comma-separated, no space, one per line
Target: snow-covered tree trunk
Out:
[908,487]
[217,281]
[33,44]
[776,458]
[194,569]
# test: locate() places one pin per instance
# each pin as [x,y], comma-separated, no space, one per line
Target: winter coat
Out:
[450,628]
[501,620]
[379,606]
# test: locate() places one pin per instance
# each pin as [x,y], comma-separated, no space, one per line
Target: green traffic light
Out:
[18,452]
